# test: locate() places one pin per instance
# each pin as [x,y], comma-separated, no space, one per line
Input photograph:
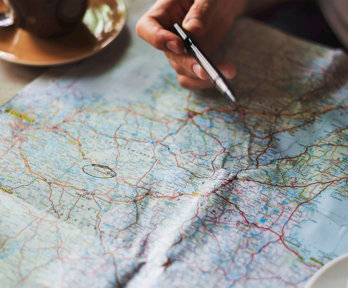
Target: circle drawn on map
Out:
[99,171]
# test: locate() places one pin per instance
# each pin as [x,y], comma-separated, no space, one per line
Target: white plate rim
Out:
[326,267]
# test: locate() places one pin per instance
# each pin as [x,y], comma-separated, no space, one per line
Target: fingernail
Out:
[173,47]
[194,25]
[198,71]
[228,73]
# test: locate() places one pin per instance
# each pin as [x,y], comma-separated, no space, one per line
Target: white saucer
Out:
[332,275]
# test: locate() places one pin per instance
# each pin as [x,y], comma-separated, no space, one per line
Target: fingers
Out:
[227,69]
[182,64]
[203,19]
[151,31]
[186,65]
[198,83]
[197,18]
[191,75]
[193,83]
[156,24]
[208,21]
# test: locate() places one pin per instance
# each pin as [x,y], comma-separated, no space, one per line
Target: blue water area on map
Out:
[327,228]
[291,145]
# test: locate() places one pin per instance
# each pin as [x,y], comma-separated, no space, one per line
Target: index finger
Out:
[156,24]
[149,29]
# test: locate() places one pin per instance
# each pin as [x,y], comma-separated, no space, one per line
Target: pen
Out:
[213,73]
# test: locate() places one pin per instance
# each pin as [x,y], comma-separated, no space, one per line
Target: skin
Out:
[208,21]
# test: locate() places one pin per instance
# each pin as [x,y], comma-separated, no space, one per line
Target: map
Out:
[112,175]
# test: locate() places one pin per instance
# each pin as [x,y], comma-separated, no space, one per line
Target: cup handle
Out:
[7,17]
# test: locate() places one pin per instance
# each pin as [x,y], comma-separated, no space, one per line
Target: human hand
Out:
[208,21]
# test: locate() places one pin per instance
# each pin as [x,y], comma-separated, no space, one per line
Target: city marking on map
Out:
[99,171]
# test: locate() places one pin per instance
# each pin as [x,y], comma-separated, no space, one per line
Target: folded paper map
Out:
[112,175]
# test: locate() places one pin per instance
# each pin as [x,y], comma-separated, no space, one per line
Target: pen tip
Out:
[229,94]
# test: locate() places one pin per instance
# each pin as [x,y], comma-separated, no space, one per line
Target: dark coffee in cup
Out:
[46,18]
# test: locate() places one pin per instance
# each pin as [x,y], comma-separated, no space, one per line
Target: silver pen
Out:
[213,73]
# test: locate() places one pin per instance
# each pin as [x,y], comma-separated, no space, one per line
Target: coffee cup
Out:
[44,18]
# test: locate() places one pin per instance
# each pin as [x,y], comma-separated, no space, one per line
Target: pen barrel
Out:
[207,66]
[214,75]
[223,87]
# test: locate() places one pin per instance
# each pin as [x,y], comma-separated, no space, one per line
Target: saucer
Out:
[102,23]
[332,274]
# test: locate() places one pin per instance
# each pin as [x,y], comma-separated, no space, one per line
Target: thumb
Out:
[197,18]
